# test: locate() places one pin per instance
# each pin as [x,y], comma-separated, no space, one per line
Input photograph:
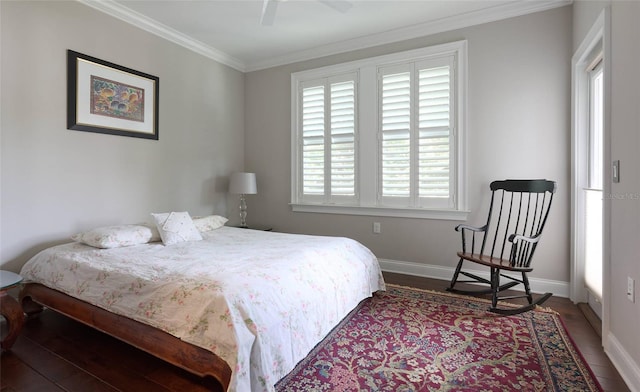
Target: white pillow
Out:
[115,236]
[155,234]
[175,227]
[208,223]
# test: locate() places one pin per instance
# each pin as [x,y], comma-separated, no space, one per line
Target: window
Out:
[596,111]
[328,140]
[382,136]
[416,134]
[593,191]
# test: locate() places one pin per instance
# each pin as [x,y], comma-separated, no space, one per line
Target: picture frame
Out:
[107,98]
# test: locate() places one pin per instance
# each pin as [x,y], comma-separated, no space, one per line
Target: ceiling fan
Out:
[269,8]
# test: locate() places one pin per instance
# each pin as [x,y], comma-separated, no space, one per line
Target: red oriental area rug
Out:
[407,339]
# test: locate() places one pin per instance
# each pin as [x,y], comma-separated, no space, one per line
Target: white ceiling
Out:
[230,31]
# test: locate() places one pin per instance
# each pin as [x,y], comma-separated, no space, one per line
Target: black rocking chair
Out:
[507,242]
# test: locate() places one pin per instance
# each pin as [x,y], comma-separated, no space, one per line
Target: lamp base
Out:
[243,211]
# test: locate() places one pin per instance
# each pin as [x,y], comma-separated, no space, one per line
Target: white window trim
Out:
[366,204]
[419,213]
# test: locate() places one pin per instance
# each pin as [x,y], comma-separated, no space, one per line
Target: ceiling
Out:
[230,31]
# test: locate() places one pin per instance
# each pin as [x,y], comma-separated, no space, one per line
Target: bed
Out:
[242,306]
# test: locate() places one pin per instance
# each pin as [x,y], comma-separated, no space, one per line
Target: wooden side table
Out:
[256,227]
[10,308]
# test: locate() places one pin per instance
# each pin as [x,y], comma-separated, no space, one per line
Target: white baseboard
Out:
[626,366]
[556,287]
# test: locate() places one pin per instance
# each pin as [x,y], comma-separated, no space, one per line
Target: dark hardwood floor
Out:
[54,353]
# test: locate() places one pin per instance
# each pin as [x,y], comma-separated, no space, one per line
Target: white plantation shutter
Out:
[382,136]
[313,140]
[343,138]
[416,134]
[434,132]
[328,116]
[395,148]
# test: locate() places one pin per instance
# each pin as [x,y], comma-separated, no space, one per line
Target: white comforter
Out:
[260,300]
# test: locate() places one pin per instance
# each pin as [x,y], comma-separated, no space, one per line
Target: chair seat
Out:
[493,262]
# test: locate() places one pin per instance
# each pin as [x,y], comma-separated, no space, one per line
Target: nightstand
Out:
[257,227]
[10,308]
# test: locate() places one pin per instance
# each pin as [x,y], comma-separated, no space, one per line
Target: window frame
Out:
[413,199]
[328,197]
[367,152]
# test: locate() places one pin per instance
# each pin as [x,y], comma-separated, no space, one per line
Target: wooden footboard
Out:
[158,343]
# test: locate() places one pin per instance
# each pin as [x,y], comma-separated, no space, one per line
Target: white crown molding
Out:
[152,26]
[493,14]
[420,30]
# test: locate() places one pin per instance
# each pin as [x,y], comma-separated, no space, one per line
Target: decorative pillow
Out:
[175,227]
[115,236]
[208,223]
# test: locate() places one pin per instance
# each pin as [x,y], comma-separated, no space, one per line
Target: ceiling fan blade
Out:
[268,12]
[338,5]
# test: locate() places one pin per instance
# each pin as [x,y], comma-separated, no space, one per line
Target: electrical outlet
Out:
[376,228]
[631,289]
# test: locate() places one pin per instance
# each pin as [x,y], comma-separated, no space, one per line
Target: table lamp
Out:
[243,184]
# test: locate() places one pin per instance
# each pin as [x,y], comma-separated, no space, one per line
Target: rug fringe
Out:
[538,308]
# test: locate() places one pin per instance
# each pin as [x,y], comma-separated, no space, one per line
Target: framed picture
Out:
[107,98]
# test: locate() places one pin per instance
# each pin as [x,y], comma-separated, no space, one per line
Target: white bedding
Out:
[260,300]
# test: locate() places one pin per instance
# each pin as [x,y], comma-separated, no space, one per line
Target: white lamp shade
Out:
[243,183]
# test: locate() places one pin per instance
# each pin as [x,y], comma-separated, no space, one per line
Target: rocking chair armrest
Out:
[471,228]
[518,237]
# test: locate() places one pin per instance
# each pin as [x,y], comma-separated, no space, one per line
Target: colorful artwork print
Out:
[113,99]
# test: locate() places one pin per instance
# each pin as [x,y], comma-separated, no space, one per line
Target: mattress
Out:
[259,300]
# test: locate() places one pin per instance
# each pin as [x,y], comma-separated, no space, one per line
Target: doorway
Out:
[589,144]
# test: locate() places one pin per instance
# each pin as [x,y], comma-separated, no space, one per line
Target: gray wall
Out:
[56,181]
[518,116]
[625,143]
[621,339]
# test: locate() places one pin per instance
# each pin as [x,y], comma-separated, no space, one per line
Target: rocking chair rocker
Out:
[522,208]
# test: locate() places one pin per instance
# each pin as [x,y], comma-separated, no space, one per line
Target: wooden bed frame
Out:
[160,344]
